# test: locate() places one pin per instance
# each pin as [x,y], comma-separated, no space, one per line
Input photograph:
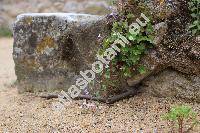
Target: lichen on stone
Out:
[47,42]
[31,63]
[28,20]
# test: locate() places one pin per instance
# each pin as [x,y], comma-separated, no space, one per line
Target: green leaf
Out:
[127,72]
[97,94]
[149,28]
[115,25]
[142,70]
[141,47]
[198,27]
[125,50]
[136,52]
[130,15]
[125,25]
[194,31]
[196,22]
[193,9]
[194,15]
[134,58]
[192,26]
[132,37]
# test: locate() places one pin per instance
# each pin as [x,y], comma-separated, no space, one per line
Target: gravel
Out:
[27,113]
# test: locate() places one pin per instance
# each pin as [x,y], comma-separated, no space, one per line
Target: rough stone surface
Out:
[174,48]
[170,83]
[51,49]
[45,59]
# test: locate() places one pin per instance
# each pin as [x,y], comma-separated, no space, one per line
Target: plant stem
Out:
[111,73]
[180,121]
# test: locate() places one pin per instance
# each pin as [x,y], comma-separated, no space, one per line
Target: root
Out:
[119,97]
[111,100]
[49,96]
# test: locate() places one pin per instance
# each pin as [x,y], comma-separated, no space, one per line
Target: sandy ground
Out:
[29,114]
[7,73]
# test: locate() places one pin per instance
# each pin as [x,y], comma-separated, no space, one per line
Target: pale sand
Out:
[7,73]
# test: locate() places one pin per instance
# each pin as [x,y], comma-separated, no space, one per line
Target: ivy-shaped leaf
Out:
[142,69]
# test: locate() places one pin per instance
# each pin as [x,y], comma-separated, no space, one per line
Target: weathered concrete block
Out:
[51,49]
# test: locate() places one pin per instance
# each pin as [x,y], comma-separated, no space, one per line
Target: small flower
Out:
[86,91]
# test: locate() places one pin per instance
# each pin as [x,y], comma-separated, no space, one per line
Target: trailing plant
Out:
[180,114]
[195,13]
[126,63]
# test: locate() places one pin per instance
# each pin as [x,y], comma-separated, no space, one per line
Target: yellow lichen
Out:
[28,20]
[30,63]
[46,42]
